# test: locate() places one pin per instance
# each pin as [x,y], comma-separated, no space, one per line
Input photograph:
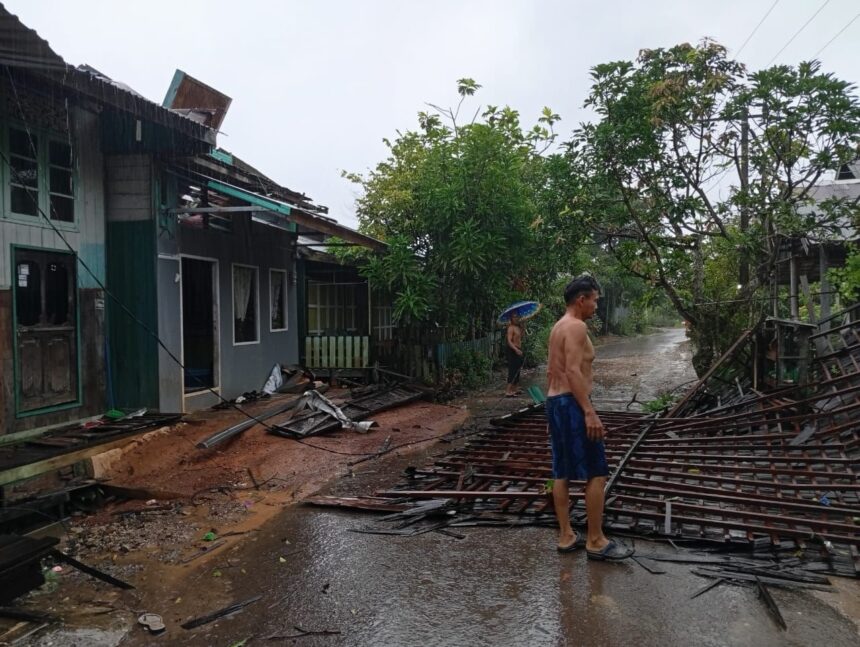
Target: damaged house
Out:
[61,128]
[197,250]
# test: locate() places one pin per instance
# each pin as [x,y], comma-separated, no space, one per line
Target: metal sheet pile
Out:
[776,469]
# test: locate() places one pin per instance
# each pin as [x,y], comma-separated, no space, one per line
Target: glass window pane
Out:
[60,154]
[62,209]
[313,320]
[61,181]
[24,172]
[24,201]
[19,143]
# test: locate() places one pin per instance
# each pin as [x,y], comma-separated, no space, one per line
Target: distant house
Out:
[804,260]
[348,325]
[62,129]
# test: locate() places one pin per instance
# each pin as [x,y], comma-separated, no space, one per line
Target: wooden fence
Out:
[425,361]
[428,361]
[337,352]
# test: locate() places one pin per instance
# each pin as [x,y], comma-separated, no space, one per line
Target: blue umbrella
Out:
[524,309]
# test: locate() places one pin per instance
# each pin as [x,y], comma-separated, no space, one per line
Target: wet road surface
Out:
[493,587]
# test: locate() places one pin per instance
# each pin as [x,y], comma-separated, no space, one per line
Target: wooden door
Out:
[45,328]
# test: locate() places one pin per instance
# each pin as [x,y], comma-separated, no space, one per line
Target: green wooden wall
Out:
[131,278]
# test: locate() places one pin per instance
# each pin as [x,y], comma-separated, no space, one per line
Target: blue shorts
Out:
[574,456]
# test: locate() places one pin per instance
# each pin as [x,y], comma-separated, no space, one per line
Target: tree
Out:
[693,163]
[467,208]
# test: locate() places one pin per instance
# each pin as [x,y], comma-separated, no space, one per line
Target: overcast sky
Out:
[316,85]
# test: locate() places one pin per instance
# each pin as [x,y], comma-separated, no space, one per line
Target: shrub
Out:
[466,370]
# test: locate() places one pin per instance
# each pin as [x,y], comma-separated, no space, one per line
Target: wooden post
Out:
[792,288]
[824,285]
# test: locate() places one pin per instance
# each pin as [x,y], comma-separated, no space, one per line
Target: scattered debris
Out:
[324,417]
[220,613]
[707,587]
[21,564]
[89,570]
[33,456]
[304,632]
[770,603]
[205,550]
[773,475]
[153,622]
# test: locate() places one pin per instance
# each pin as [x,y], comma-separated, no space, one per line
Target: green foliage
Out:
[846,279]
[658,404]
[466,370]
[476,215]
[662,176]
[536,339]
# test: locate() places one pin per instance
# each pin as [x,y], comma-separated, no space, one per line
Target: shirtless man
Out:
[514,355]
[576,432]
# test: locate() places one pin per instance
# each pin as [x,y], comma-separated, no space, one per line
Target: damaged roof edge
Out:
[300,216]
[21,47]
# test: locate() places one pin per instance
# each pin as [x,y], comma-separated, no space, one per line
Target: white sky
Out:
[316,85]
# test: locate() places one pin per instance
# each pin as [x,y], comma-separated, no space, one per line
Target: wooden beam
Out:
[63,460]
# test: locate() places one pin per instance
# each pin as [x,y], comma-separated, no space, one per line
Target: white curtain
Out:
[243,283]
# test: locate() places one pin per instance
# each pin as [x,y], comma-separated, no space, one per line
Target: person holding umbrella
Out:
[514,355]
[514,316]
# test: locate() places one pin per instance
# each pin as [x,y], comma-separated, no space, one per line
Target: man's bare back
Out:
[569,341]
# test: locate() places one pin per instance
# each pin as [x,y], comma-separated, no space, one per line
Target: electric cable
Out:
[755,29]
[797,33]
[838,34]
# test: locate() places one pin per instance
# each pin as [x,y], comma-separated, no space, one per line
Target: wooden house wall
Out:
[86,236]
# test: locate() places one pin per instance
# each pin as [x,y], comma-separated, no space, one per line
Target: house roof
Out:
[22,48]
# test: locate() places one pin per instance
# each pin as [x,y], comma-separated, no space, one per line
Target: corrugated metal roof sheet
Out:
[22,47]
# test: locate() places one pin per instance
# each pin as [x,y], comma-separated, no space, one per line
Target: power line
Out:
[752,33]
[797,33]
[838,34]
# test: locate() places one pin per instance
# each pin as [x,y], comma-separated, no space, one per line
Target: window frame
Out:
[284,298]
[43,166]
[256,269]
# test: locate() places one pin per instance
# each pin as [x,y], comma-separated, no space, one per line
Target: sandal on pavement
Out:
[578,543]
[612,552]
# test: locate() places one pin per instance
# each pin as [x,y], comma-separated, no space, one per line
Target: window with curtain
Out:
[278,299]
[245,328]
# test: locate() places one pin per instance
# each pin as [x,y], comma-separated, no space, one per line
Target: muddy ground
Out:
[493,587]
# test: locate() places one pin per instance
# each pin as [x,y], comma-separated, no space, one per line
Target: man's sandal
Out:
[578,543]
[611,552]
